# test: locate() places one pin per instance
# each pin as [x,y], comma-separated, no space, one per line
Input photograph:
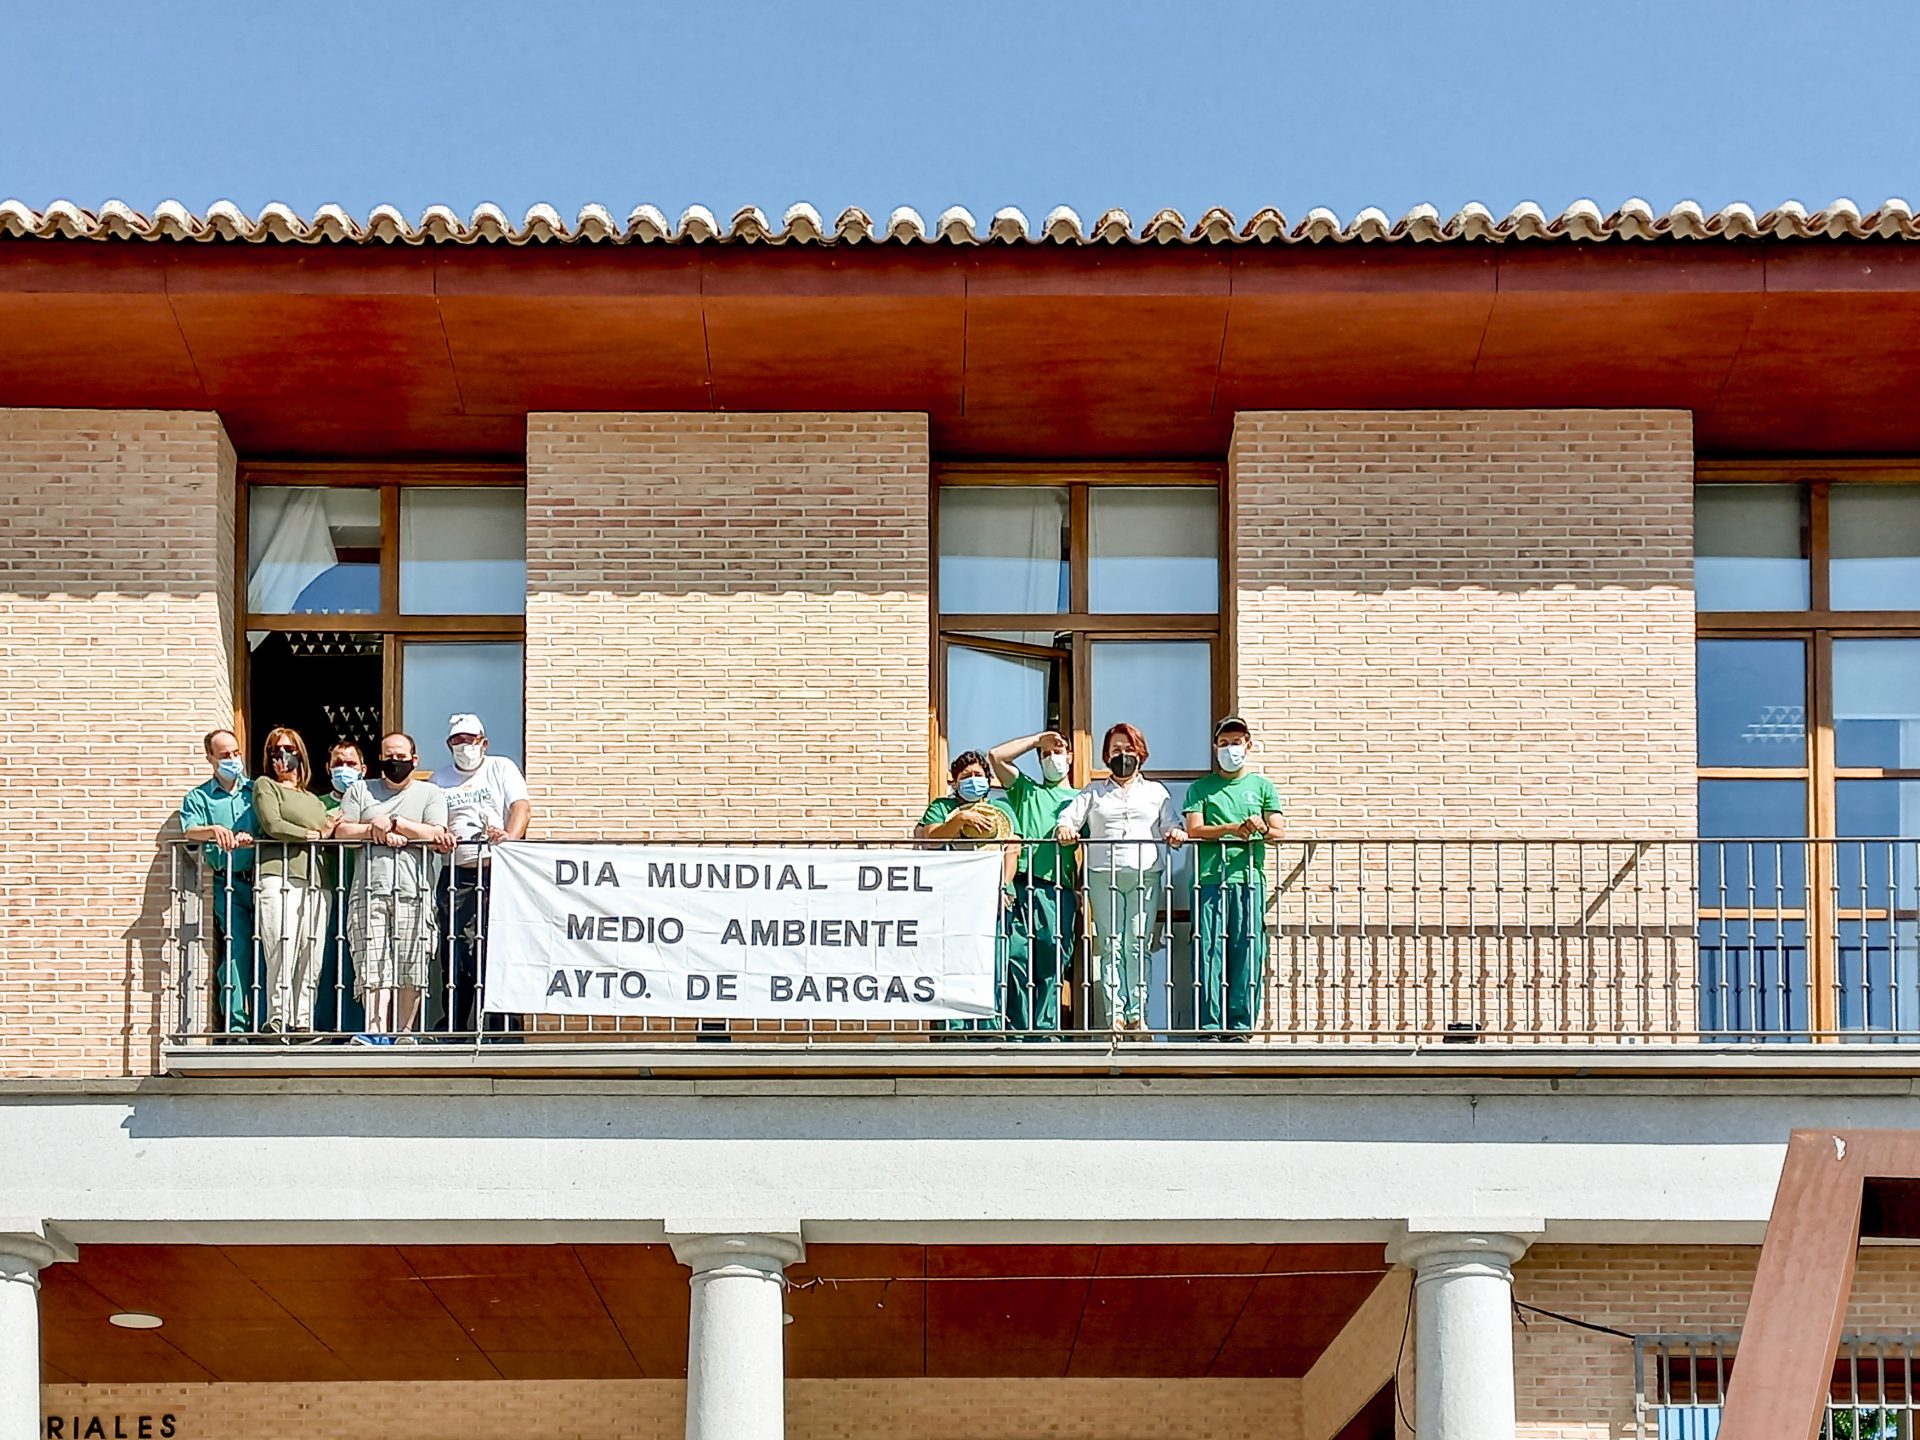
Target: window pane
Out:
[1748,548]
[1874,534]
[1164,688]
[1752,871]
[1003,550]
[1752,702]
[463,551]
[324,684]
[313,550]
[1155,550]
[993,697]
[438,681]
[1882,873]
[1876,703]
[1753,808]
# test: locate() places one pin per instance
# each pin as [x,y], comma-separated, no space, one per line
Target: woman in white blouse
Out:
[1126,817]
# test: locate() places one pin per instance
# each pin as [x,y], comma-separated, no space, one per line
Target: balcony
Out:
[1463,954]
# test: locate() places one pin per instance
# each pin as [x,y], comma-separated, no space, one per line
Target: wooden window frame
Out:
[395,628]
[1818,626]
[1082,625]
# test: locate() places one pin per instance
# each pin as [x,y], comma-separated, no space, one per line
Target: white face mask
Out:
[467,757]
[1231,757]
[1054,767]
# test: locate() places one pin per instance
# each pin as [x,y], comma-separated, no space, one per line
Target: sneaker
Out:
[407,1038]
[371,1039]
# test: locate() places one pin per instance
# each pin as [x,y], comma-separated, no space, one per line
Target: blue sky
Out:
[731,102]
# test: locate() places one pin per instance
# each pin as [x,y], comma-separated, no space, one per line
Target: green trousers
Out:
[233,950]
[1039,926]
[1232,940]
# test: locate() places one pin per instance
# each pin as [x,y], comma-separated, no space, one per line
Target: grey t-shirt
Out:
[389,870]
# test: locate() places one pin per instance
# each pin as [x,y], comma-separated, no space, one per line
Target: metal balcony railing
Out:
[1337,941]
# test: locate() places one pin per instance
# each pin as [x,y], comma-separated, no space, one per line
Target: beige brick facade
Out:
[727,624]
[1468,622]
[976,1409]
[116,631]
[1574,1384]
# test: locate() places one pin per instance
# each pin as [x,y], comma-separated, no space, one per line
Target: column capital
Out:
[769,1251]
[36,1243]
[1431,1245]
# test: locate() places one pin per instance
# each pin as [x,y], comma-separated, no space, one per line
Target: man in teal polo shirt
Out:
[1232,813]
[219,814]
[1046,896]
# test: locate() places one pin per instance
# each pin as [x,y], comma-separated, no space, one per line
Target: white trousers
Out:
[291,920]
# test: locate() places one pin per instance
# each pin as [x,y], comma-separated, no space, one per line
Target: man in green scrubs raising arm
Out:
[1232,813]
[1045,891]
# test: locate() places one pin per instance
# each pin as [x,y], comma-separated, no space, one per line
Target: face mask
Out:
[233,768]
[1231,757]
[395,770]
[1054,767]
[345,778]
[1123,764]
[971,789]
[466,757]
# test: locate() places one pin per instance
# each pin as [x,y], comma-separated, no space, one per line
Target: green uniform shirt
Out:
[1036,815]
[214,804]
[941,806]
[1227,800]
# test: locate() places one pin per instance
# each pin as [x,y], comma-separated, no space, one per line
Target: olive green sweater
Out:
[285,813]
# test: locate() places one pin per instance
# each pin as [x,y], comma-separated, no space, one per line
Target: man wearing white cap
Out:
[486,801]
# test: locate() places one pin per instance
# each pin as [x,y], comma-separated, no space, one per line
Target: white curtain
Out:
[1000,552]
[1154,550]
[291,547]
[993,697]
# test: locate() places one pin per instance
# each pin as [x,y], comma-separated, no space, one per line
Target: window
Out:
[1807,586]
[381,598]
[1073,597]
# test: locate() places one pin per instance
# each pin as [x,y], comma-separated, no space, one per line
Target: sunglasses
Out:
[284,752]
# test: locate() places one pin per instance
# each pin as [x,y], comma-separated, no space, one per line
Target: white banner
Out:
[742,932]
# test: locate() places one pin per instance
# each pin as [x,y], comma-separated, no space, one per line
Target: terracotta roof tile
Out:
[803,225]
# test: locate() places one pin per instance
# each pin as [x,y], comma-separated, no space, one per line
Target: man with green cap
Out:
[1233,813]
[1045,904]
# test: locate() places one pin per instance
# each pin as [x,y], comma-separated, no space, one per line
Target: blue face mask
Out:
[233,768]
[972,788]
[345,778]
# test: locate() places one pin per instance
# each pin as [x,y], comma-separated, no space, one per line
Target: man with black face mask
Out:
[390,909]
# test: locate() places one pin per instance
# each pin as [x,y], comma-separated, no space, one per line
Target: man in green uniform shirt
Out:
[1233,813]
[1046,897]
[968,814]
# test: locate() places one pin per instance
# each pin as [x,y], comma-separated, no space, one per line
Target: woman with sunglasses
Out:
[292,889]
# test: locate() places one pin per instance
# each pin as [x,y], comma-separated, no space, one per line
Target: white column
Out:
[25,1250]
[736,1345]
[1463,1336]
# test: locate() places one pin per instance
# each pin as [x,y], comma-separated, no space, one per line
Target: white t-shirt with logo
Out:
[479,798]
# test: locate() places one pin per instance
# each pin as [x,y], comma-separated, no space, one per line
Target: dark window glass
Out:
[1751,708]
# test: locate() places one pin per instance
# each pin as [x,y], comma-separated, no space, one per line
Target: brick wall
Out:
[982,1409]
[727,623]
[1461,622]
[116,628]
[1574,1384]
